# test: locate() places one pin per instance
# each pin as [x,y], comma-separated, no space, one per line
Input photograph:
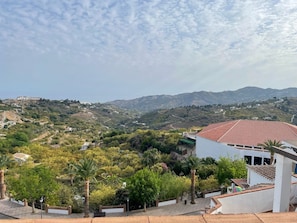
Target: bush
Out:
[104,195]
[172,186]
[208,184]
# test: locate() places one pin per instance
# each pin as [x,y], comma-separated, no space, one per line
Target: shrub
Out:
[104,195]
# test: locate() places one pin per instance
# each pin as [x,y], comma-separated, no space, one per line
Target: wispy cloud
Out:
[185,38]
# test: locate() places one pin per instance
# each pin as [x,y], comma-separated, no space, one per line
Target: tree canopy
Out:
[269,144]
[33,183]
[229,169]
[144,186]
[151,157]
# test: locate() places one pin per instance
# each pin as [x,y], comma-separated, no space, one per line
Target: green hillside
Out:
[199,116]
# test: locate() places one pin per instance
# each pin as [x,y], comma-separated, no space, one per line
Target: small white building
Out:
[263,174]
[21,157]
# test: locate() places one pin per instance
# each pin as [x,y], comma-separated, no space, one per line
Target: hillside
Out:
[71,122]
[60,122]
[248,94]
[188,116]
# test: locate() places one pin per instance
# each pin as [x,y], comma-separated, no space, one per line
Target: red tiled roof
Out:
[240,182]
[249,132]
[267,171]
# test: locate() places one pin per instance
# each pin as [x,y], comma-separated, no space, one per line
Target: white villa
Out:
[241,139]
[272,188]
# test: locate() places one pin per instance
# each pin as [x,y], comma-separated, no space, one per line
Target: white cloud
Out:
[193,43]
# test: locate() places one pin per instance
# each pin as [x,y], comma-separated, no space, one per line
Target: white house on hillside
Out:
[240,139]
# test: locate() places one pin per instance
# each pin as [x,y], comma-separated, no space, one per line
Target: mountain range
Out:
[49,117]
[247,94]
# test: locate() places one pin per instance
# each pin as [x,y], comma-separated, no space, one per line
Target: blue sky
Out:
[99,51]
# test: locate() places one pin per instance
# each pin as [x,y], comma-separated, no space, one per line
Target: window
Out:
[257,160]
[266,161]
[248,160]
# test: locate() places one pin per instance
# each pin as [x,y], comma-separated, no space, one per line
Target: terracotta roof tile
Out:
[177,219]
[278,217]
[267,171]
[249,132]
[240,182]
[130,219]
[206,218]
[215,131]
[229,218]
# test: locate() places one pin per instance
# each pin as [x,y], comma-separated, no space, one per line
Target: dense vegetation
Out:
[127,151]
[274,109]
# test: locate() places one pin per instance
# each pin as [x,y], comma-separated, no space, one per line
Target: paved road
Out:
[8,208]
[5,217]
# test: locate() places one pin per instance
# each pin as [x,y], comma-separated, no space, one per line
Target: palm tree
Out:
[151,157]
[269,144]
[86,169]
[4,162]
[192,162]
[70,170]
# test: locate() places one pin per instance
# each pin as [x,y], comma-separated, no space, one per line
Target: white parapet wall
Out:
[58,210]
[212,194]
[165,203]
[113,210]
[250,201]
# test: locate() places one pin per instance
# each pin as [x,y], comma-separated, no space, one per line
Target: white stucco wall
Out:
[164,203]
[57,211]
[208,148]
[254,179]
[113,210]
[283,177]
[252,202]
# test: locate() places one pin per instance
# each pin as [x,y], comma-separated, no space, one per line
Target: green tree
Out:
[172,186]
[207,168]
[86,169]
[229,169]
[208,161]
[205,171]
[70,171]
[103,195]
[33,183]
[151,157]
[160,168]
[192,162]
[65,195]
[5,161]
[144,186]
[210,183]
[269,144]
[18,139]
